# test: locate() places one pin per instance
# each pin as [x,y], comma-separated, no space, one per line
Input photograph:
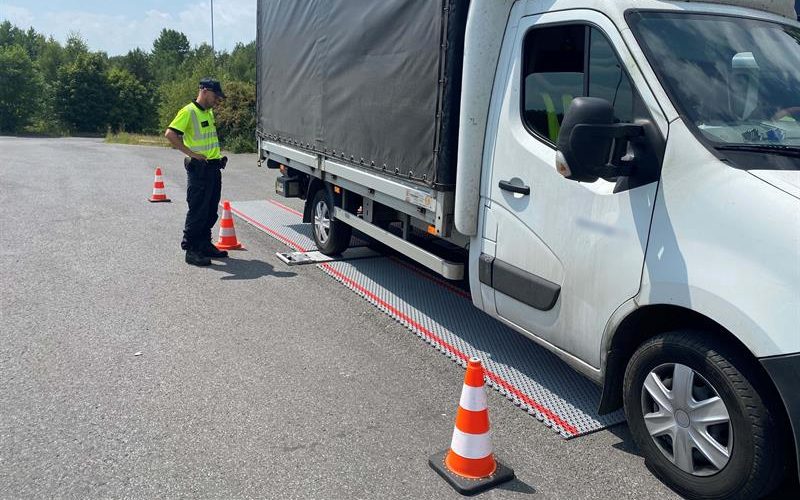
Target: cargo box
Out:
[375,84]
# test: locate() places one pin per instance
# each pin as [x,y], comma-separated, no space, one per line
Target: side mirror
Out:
[591,145]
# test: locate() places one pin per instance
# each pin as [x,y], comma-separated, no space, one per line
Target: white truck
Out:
[618,180]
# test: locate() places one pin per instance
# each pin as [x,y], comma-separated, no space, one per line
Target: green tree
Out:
[30,40]
[200,53]
[83,93]
[169,51]
[19,88]
[137,62]
[236,117]
[129,108]
[48,88]
[75,47]
[9,34]
[241,64]
[51,57]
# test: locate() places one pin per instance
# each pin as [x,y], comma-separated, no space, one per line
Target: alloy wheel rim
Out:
[322,222]
[687,419]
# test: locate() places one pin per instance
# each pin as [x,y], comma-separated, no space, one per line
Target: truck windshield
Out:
[736,80]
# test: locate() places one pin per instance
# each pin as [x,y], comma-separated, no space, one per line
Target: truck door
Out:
[567,253]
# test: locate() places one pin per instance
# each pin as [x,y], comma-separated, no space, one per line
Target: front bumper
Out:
[785,374]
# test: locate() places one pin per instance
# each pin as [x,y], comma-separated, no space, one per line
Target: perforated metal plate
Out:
[281,222]
[317,257]
[277,220]
[533,378]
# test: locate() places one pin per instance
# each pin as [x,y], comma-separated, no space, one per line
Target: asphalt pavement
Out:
[125,372]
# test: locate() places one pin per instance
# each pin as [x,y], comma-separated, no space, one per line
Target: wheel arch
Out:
[313,186]
[647,322]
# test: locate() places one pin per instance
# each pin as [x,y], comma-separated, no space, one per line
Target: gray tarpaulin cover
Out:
[377,80]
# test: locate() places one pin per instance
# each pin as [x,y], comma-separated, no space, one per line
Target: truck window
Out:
[559,65]
[607,79]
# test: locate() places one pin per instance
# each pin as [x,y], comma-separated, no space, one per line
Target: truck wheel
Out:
[330,235]
[702,419]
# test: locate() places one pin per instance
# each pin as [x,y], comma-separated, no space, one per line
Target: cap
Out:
[212,85]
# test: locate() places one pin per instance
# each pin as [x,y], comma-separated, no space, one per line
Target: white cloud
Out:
[234,21]
[157,14]
[18,16]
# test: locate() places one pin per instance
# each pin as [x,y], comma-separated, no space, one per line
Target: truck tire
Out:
[331,236]
[702,417]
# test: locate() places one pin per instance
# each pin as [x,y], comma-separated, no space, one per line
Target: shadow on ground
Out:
[241,269]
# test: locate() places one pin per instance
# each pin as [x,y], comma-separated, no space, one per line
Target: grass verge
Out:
[137,139]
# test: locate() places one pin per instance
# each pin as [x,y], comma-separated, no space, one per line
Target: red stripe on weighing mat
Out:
[428,277]
[432,336]
[281,205]
[270,231]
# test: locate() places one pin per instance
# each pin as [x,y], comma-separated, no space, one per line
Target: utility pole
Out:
[212,27]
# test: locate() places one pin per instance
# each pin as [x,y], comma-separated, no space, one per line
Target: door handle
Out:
[507,186]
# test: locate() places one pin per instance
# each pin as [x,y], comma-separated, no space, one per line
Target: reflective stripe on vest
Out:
[566,101]
[552,118]
[205,147]
[553,126]
[196,126]
[205,143]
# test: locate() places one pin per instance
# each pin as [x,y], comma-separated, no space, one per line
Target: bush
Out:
[241,144]
[236,117]
[47,127]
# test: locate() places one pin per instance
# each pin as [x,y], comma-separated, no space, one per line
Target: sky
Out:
[117,26]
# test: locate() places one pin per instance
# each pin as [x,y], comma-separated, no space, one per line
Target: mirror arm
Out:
[622,133]
[611,171]
[614,131]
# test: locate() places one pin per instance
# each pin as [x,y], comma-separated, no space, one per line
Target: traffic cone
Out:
[227,234]
[159,195]
[469,465]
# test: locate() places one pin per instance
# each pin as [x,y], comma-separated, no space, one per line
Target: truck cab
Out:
[640,216]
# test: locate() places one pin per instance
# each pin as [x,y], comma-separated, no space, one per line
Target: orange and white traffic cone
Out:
[227,234]
[469,465]
[159,195]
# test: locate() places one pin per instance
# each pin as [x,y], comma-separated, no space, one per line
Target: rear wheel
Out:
[330,235]
[702,418]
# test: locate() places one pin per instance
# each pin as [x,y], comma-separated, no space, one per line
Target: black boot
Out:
[209,250]
[196,258]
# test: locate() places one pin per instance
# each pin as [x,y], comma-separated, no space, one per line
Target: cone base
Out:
[465,485]
[220,246]
[165,200]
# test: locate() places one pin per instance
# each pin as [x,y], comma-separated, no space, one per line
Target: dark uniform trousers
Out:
[203,190]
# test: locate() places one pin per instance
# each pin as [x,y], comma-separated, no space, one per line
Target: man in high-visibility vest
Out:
[193,132]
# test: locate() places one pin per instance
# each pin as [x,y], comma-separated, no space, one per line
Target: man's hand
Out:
[176,141]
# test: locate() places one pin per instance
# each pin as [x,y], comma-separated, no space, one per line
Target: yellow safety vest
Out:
[553,125]
[199,130]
